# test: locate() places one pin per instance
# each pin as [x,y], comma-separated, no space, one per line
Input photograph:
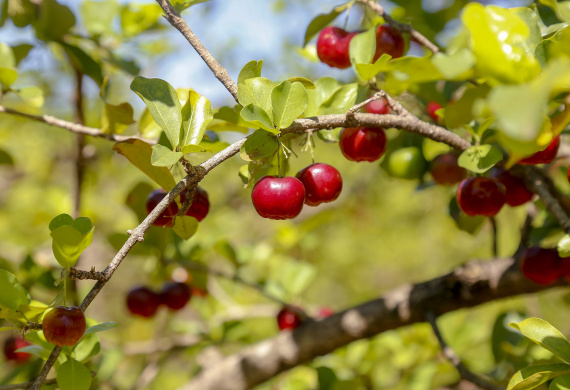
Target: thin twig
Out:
[180,24]
[450,355]
[495,236]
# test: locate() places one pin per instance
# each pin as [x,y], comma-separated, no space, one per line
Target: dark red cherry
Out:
[446,171]
[143,302]
[288,319]
[333,45]
[322,182]
[175,295]
[481,196]
[166,218]
[200,204]
[379,106]
[11,345]
[362,143]
[431,109]
[389,41]
[542,266]
[64,325]
[517,193]
[278,197]
[544,156]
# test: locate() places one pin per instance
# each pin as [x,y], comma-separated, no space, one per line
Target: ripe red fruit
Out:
[542,266]
[544,156]
[278,197]
[322,182]
[362,143]
[175,295]
[166,218]
[379,106]
[332,47]
[11,345]
[200,204]
[565,268]
[481,196]
[517,193]
[389,41]
[446,171]
[288,319]
[431,108]
[143,301]
[325,312]
[64,325]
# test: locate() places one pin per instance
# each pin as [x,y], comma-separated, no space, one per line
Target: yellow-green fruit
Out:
[407,163]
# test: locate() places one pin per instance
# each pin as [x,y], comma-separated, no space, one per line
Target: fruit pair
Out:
[283,197]
[333,45]
[198,208]
[11,345]
[544,266]
[144,302]
[64,325]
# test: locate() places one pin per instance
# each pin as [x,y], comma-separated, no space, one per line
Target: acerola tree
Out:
[427,161]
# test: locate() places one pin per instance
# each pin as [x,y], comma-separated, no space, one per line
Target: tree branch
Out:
[180,24]
[470,285]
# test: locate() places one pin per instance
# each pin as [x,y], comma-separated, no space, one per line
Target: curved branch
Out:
[470,285]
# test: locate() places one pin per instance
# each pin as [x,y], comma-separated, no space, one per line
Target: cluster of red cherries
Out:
[198,208]
[144,302]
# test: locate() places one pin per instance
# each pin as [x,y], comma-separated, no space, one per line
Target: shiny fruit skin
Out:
[389,41]
[565,268]
[544,156]
[64,325]
[332,47]
[175,295]
[200,204]
[481,196]
[322,182]
[407,163]
[288,319]
[542,266]
[362,143]
[143,302]
[11,345]
[517,193]
[446,171]
[166,218]
[380,107]
[431,109]
[278,197]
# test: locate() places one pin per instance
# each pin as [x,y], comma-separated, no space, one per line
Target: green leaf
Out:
[163,104]
[362,47]
[369,71]
[560,383]
[22,12]
[68,244]
[480,158]
[115,118]
[308,84]
[139,154]
[343,99]
[296,276]
[258,145]
[545,335]
[73,375]
[98,16]
[84,62]
[82,224]
[185,226]
[101,327]
[325,87]
[289,100]
[229,119]
[250,70]
[54,21]
[7,59]
[322,20]
[564,246]
[181,5]
[561,8]
[60,220]
[456,66]
[33,313]
[196,149]
[196,115]
[460,112]
[531,377]
[6,158]
[164,157]
[257,117]
[31,95]
[503,57]
[12,294]
[137,18]
[21,51]
[37,350]
[87,347]
[7,77]
[257,91]
[224,248]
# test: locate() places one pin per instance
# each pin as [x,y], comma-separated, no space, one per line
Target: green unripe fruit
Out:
[407,163]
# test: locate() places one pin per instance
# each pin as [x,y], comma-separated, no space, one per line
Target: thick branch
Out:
[180,24]
[470,285]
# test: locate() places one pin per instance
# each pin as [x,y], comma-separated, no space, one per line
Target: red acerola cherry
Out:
[446,171]
[11,345]
[389,41]
[379,106]
[332,47]
[166,218]
[325,312]
[481,196]
[278,197]
[322,182]
[565,268]
[175,295]
[362,143]
[143,302]
[431,108]
[64,325]
[542,266]
[288,319]
[544,156]
[517,193]
[200,204]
